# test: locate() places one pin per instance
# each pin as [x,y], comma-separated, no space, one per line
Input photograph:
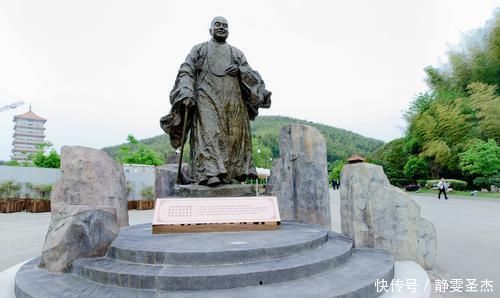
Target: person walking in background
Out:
[442,186]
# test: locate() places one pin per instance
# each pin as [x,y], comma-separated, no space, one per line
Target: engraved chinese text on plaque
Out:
[215,214]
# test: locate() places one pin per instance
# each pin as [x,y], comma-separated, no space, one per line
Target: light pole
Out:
[257,180]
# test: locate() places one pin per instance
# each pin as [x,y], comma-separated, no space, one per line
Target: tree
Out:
[484,110]
[416,168]
[481,158]
[463,104]
[475,59]
[392,157]
[46,157]
[262,154]
[137,153]
[336,169]
[12,163]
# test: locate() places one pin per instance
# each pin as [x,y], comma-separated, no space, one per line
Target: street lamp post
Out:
[257,180]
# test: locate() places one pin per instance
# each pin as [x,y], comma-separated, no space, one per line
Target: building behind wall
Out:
[28,134]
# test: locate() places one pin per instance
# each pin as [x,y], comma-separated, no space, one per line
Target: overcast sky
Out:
[99,70]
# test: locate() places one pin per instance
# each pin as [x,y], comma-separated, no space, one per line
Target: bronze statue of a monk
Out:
[221,93]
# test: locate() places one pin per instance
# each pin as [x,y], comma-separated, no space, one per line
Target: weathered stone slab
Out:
[378,215]
[299,178]
[78,231]
[223,190]
[90,177]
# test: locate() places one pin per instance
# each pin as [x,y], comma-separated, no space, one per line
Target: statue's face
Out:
[219,29]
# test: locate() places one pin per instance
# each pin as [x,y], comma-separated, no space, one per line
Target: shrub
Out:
[412,187]
[399,182]
[148,193]
[42,191]
[9,189]
[453,183]
[421,182]
[486,182]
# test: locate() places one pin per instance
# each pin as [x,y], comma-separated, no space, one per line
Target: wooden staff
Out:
[183,138]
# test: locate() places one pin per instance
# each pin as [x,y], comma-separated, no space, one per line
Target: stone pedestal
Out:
[297,260]
[224,190]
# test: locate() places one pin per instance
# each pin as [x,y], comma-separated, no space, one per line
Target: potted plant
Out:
[147,202]
[132,204]
[9,193]
[41,201]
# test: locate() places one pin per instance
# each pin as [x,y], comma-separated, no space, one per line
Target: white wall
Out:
[138,176]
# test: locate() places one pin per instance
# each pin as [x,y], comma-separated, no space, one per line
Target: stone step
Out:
[354,279]
[138,245]
[336,251]
[33,282]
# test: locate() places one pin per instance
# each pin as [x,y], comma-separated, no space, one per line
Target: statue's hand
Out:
[232,70]
[188,102]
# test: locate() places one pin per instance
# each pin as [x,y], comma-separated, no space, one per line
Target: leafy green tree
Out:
[262,155]
[475,59]
[46,157]
[463,104]
[138,153]
[13,163]
[416,168]
[481,158]
[483,110]
[392,157]
[335,170]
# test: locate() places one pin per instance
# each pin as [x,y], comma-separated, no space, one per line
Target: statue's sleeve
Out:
[186,77]
[252,86]
[184,88]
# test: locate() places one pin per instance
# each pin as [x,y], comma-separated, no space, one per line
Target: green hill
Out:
[340,143]
[265,131]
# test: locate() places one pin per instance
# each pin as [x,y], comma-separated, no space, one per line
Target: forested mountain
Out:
[265,136]
[340,143]
[454,129]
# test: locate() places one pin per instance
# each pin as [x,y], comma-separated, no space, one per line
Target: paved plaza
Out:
[468,233]
[468,237]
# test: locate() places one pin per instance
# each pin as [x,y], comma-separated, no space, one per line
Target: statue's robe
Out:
[219,124]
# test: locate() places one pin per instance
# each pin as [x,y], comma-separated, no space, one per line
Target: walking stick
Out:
[184,126]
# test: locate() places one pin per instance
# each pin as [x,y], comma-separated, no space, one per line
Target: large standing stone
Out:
[299,178]
[166,177]
[90,177]
[78,231]
[378,215]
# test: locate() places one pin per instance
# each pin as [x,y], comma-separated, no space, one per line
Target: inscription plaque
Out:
[215,214]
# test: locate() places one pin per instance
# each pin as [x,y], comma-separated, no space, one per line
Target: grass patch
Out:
[456,193]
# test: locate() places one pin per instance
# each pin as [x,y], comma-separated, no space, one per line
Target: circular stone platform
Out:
[137,244]
[297,260]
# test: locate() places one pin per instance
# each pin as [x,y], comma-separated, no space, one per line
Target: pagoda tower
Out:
[28,134]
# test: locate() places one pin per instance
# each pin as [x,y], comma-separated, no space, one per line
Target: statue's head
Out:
[219,29]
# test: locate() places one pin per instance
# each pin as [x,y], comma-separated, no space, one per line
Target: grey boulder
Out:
[78,231]
[378,215]
[90,177]
[166,178]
